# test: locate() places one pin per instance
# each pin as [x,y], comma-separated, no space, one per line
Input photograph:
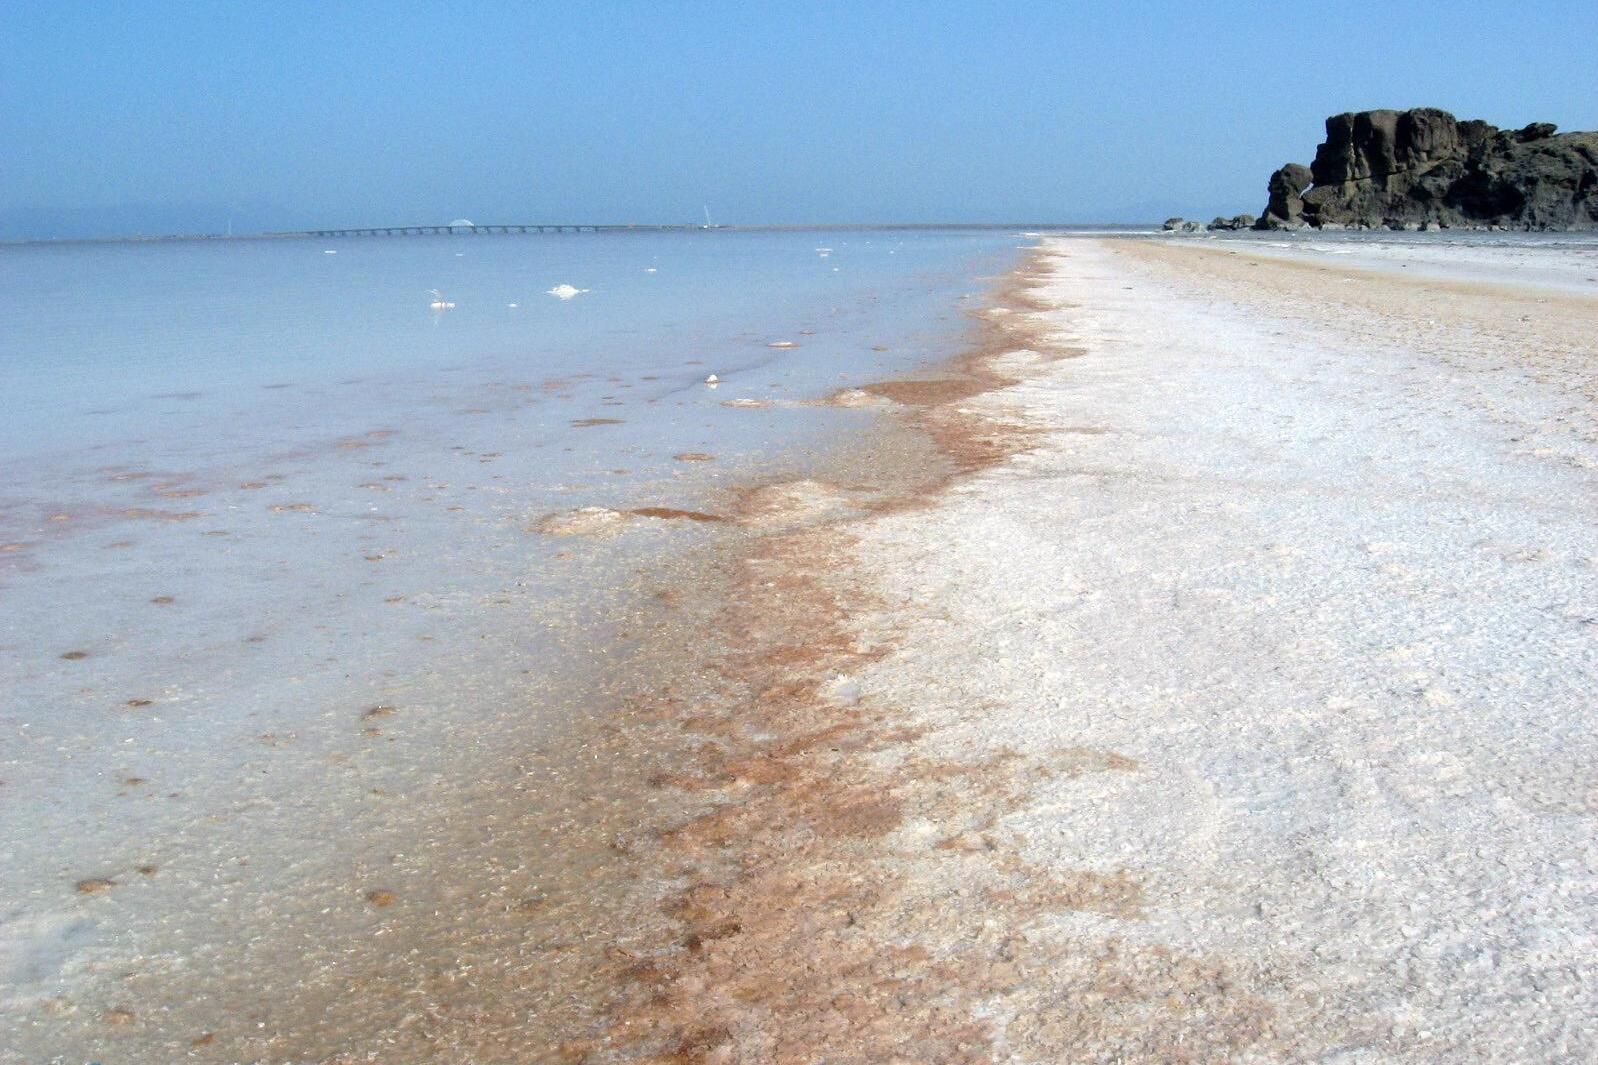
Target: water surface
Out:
[269,557]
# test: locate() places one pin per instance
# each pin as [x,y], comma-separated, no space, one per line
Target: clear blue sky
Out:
[325,113]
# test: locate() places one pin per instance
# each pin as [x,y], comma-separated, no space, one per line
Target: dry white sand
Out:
[1293,600]
[1567,262]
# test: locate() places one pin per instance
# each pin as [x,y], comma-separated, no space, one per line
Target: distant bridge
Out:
[461,228]
[475,229]
[1024,228]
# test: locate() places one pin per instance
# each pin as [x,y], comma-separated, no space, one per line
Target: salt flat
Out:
[1566,262]
[1287,615]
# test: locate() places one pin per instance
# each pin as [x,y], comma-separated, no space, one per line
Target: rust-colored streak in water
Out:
[815,923]
[673,513]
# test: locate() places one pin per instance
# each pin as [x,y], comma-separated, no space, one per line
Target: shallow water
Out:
[269,547]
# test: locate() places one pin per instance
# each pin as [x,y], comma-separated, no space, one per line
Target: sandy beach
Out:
[1224,696]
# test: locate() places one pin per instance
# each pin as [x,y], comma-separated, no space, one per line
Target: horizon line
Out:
[568,229]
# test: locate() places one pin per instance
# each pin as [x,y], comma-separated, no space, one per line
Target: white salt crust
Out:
[1328,578]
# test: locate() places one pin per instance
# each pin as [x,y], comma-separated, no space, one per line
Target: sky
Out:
[289,115]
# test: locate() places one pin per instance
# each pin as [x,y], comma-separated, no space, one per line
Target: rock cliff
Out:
[1424,168]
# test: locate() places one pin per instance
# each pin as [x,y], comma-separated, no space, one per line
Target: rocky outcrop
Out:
[1237,221]
[1426,169]
[1183,225]
[1286,189]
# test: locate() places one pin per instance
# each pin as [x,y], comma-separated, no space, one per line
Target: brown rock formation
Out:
[1425,168]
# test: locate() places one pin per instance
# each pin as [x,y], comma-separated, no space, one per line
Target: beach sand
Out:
[1224,695]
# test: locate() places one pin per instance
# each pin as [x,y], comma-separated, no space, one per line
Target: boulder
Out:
[1425,168]
[1286,206]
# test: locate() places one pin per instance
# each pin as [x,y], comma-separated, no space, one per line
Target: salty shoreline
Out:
[415,854]
[709,713]
[1192,670]
[454,873]
[1227,702]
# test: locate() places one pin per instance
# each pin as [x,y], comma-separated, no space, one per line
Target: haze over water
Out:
[270,545]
